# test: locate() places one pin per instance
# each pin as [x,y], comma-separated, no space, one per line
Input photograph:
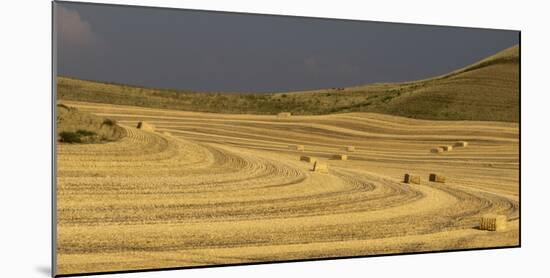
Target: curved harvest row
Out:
[230,189]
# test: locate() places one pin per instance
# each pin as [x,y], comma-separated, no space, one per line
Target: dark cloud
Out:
[213,51]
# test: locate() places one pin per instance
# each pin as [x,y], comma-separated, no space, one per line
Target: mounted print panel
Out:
[188,138]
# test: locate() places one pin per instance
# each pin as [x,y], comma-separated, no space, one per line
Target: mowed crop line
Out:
[299,130]
[267,232]
[380,120]
[152,200]
[356,121]
[377,121]
[323,139]
[336,131]
[197,125]
[414,152]
[92,186]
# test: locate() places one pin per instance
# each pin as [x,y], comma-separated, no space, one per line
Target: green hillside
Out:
[487,90]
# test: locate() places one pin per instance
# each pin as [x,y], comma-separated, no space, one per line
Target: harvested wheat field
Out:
[226,189]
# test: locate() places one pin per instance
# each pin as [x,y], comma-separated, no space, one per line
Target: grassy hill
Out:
[487,90]
[74,126]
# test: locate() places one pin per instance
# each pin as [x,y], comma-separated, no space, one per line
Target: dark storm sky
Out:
[210,51]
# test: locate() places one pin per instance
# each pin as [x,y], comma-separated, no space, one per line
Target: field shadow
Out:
[44,270]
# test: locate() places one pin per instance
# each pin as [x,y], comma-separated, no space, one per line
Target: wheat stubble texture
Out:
[225,189]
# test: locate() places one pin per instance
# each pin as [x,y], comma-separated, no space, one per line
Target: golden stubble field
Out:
[225,189]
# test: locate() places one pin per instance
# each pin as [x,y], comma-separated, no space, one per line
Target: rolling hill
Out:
[487,90]
[75,126]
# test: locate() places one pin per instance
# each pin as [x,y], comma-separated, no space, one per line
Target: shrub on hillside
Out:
[69,137]
[80,136]
[83,132]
